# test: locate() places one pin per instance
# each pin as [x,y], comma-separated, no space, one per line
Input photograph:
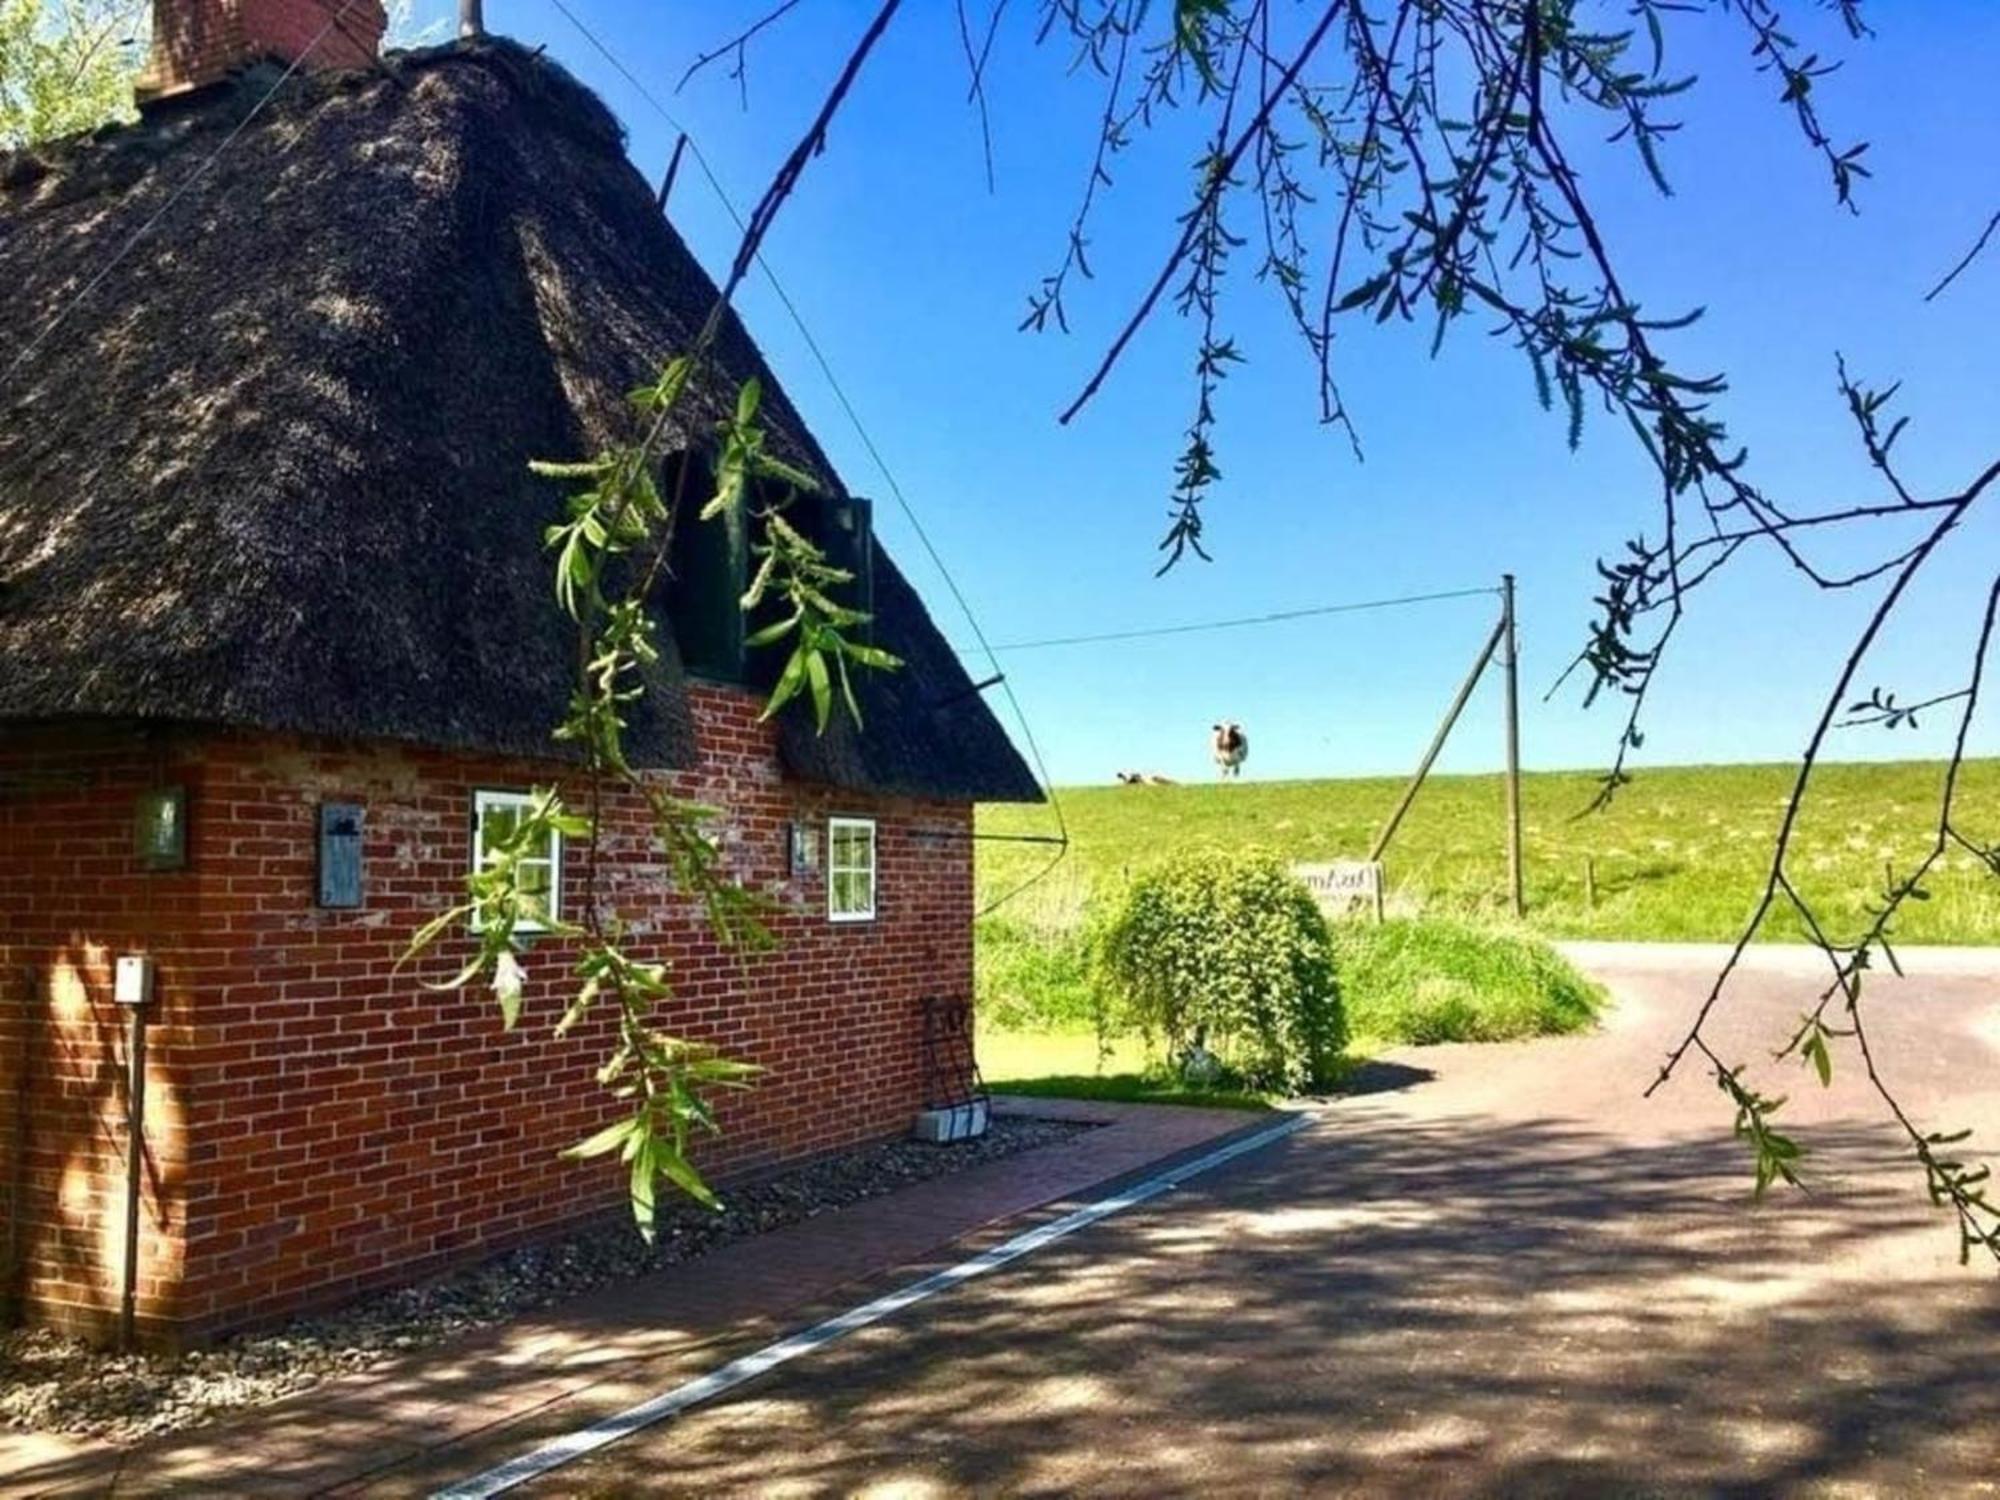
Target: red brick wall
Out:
[197,42]
[71,899]
[321,1124]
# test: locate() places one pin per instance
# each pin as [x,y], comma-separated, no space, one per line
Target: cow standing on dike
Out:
[1232,747]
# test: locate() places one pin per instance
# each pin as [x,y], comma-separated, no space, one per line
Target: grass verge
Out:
[1429,980]
[1405,982]
[1065,1065]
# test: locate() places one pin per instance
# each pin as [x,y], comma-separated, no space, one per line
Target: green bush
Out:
[1231,952]
[1434,979]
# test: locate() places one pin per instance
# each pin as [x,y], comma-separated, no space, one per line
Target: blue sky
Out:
[913,279]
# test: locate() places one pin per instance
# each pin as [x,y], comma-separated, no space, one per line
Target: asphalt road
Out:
[1501,1274]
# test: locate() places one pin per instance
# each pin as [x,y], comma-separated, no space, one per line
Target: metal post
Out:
[1437,740]
[1511,663]
[667,187]
[12,1289]
[471,18]
[135,1167]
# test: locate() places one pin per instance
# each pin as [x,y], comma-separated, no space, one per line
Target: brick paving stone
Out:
[397,1426]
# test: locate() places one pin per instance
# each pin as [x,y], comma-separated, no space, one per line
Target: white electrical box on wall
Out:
[132,983]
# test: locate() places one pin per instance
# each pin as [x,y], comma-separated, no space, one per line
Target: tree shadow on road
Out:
[1442,1308]
[1375,1306]
[1375,1076]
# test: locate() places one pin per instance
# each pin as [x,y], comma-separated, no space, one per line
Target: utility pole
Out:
[1511,664]
[471,18]
[1504,643]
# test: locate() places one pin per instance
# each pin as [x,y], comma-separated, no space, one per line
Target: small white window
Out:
[495,816]
[850,869]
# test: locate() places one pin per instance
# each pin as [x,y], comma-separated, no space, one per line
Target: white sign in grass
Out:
[1345,886]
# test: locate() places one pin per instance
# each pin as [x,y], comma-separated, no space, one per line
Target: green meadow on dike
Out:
[1679,856]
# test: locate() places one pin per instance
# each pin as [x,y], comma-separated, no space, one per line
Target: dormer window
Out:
[712,562]
[711,569]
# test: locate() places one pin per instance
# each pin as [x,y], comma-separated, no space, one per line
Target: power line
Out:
[1240,621]
[860,431]
[180,191]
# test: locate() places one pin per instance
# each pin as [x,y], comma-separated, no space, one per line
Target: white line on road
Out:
[572,1446]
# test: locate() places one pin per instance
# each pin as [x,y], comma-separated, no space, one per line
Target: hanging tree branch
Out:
[1966,260]
[609,554]
[738,46]
[1440,168]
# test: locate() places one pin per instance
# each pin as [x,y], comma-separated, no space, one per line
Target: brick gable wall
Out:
[198,42]
[320,1124]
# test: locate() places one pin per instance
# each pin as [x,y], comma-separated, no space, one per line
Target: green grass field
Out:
[1679,856]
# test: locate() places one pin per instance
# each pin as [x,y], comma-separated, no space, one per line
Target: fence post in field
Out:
[1511,663]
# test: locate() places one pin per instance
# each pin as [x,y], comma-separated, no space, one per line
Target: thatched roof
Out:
[272,471]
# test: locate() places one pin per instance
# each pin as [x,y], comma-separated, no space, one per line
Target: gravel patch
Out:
[51,1383]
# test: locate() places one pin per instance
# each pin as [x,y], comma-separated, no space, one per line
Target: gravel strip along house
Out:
[277,633]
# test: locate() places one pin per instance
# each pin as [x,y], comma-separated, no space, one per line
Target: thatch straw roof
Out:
[272,471]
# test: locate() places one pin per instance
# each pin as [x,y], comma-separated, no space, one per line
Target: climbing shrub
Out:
[1231,953]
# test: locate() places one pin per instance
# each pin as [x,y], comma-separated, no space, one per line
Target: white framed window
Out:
[495,816]
[850,869]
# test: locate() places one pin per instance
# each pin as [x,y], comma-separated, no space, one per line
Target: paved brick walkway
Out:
[405,1425]
[1508,1277]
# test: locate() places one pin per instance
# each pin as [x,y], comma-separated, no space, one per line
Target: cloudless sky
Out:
[913,277]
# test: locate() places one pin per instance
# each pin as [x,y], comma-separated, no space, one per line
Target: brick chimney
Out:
[199,42]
